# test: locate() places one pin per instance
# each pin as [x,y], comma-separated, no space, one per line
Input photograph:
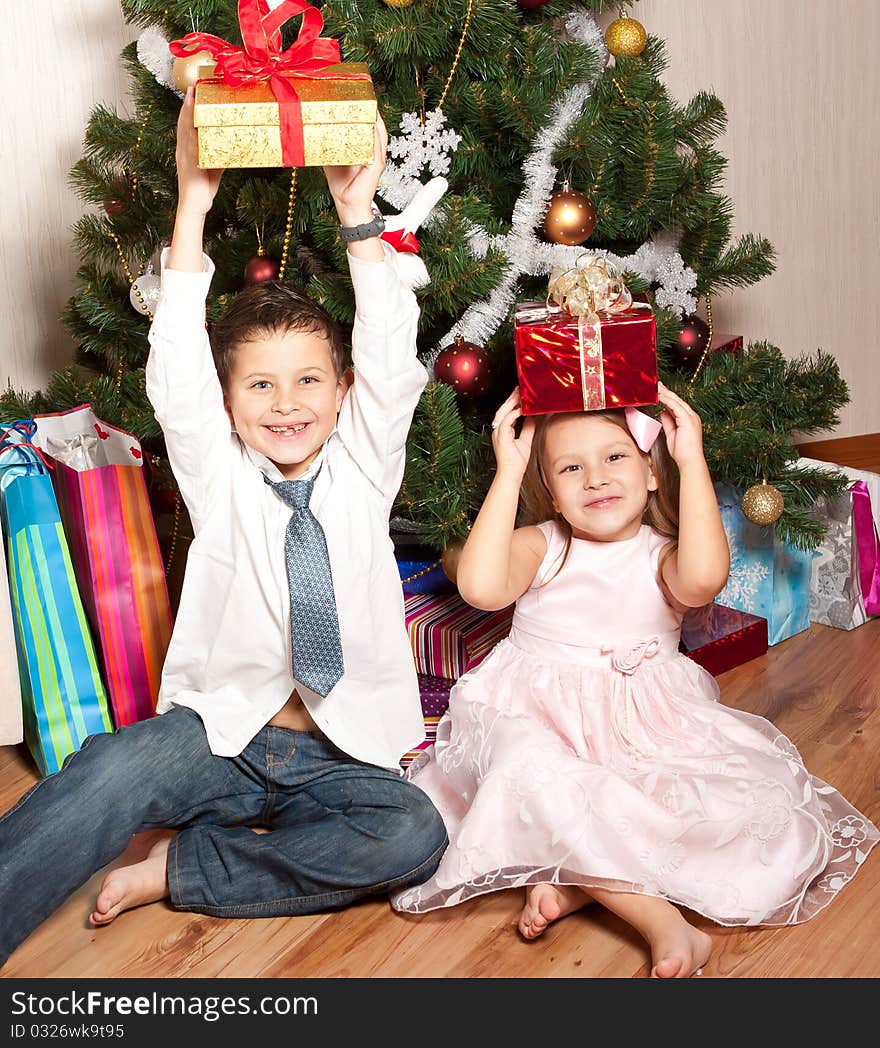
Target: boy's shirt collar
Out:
[272,473]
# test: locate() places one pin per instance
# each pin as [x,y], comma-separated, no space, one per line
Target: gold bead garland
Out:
[288,228]
[175,526]
[708,343]
[467,23]
[419,574]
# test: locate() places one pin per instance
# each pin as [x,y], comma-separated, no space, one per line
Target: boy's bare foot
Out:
[546,903]
[135,885]
[678,949]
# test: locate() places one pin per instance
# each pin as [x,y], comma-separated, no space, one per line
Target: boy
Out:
[289,692]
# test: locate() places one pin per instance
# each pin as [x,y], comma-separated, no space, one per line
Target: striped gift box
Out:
[448,636]
[426,743]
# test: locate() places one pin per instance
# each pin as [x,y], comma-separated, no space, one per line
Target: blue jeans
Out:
[340,830]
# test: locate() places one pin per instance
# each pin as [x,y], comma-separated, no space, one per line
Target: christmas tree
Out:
[553,140]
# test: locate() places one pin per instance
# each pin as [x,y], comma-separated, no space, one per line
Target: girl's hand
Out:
[353,187]
[196,186]
[512,452]
[683,428]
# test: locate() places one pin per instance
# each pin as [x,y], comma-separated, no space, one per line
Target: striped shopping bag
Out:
[99,482]
[63,696]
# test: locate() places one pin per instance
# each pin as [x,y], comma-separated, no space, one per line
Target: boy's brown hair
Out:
[268,308]
[661,511]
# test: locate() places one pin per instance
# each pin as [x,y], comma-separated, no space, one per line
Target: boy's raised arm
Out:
[376,414]
[181,379]
[196,189]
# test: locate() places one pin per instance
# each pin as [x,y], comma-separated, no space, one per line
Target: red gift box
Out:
[719,638]
[726,343]
[566,363]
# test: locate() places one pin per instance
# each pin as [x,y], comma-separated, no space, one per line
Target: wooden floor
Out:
[821,688]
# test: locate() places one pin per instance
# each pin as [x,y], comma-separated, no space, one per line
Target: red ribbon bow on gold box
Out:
[261,59]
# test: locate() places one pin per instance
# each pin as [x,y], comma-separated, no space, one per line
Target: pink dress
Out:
[586,750]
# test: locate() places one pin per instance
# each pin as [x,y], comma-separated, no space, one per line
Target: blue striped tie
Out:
[314,623]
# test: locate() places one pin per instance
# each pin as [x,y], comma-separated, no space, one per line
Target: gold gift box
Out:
[239,126]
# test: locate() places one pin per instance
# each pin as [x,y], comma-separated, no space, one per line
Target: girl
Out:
[585,758]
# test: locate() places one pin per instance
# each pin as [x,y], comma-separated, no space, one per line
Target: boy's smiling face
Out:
[283,397]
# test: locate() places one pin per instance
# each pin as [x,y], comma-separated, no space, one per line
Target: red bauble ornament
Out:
[692,340]
[464,366]
[260,269]
[122,194]
[530,5]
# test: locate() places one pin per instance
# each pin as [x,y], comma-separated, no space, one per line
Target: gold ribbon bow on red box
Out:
[594,285]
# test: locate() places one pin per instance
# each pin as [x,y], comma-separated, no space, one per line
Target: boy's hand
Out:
[683,428]
[512,451]
[196,187]
[354,186]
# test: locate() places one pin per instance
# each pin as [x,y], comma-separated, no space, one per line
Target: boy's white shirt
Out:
[229,656]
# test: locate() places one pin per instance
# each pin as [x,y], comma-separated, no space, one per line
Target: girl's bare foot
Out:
[678,950]
[546,903]
[135,885]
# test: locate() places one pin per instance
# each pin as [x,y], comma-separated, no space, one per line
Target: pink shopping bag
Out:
[102,494]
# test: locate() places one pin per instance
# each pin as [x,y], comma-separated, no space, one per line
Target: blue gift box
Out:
[423,576]
[767,577]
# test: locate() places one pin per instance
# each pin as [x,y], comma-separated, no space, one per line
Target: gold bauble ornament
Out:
[625,36]
[450,558]
[187,70]
[398,3]
[762,504]
[571,217]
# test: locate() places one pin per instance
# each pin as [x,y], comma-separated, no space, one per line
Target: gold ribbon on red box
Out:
[261,58]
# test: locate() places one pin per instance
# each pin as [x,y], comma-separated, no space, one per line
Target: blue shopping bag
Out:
[63,697]
[767,577]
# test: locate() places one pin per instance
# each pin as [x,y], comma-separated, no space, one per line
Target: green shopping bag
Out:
[63,696]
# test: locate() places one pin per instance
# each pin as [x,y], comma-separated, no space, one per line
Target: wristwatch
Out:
[363,231]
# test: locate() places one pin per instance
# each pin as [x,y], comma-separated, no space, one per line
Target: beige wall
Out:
[66,61]
[801,85]
[799,79]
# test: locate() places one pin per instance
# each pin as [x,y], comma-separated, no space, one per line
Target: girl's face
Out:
[598,479]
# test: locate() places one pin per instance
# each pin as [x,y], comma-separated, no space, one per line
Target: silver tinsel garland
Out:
[657,260]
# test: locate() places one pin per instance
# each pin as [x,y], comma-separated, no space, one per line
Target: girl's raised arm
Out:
[698,570]
[499,560]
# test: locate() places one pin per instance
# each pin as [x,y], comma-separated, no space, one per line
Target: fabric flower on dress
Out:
[833,882]
[849,832]
[769,810]
[663,858]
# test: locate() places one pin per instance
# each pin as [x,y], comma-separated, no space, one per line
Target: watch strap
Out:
[364,231]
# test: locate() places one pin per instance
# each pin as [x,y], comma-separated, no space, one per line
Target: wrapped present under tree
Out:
[434,696]
[845,580]
[450,637]
[768,577]
[720,638]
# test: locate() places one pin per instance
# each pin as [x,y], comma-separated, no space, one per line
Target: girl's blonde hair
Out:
[661,511]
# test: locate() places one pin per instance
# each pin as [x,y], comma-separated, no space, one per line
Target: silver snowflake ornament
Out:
[425,145]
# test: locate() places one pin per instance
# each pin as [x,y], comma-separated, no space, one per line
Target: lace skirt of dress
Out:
[639,782]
